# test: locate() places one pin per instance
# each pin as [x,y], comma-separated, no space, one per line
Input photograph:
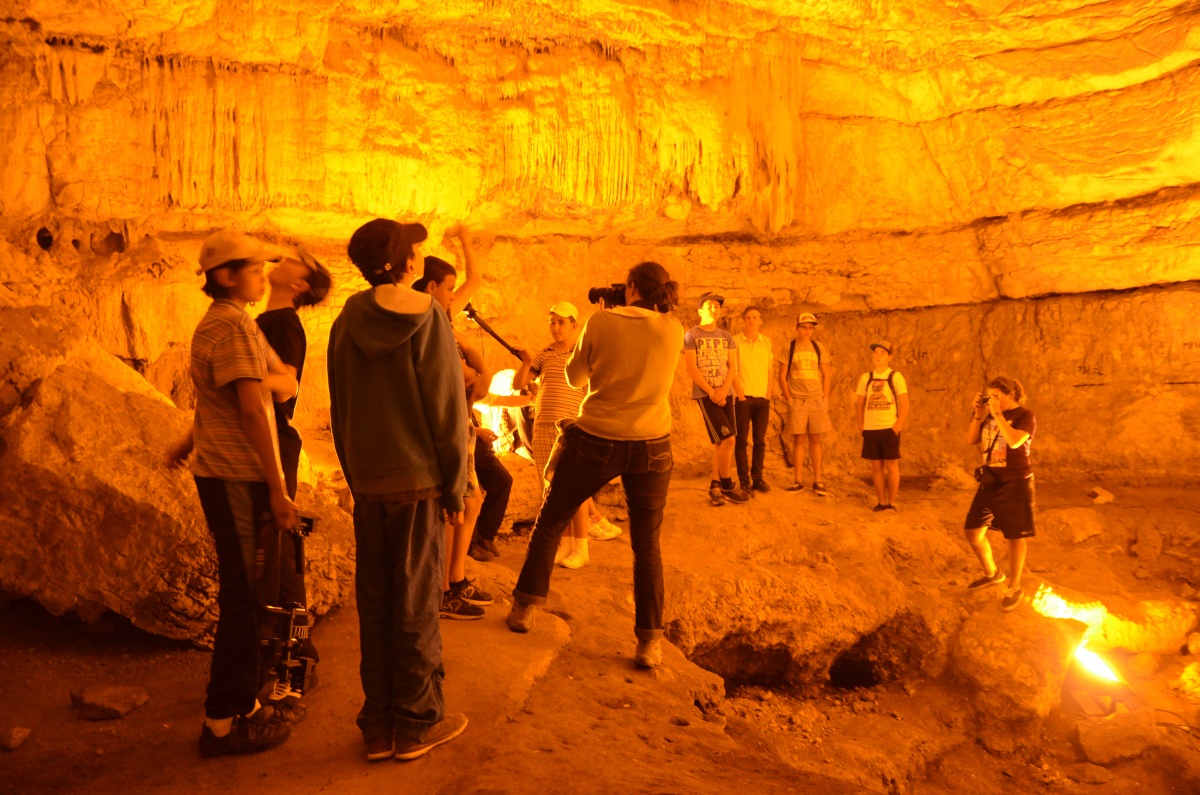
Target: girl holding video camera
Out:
[1003,430]
[626,356]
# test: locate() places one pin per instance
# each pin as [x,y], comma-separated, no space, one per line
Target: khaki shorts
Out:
[808,416]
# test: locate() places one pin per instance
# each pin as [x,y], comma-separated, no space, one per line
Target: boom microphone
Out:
[474,315]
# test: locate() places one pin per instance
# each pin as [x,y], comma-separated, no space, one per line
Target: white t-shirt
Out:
[880,412]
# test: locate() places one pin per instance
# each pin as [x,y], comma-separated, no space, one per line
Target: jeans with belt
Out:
[582,467]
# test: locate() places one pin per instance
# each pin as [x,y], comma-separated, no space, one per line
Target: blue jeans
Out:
[398,577]
[584,465]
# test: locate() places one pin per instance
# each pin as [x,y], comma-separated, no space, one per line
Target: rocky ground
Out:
[853,660]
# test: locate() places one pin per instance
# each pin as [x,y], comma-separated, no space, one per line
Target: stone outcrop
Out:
[1016,670]
[92,521]
[107,702]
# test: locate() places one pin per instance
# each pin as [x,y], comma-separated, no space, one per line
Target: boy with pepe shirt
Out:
[711,358]
[882,406]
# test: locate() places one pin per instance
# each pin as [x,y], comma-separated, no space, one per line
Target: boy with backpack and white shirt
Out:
[882,408]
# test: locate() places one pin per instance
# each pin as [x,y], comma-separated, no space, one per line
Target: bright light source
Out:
[1095,666]
[493,416]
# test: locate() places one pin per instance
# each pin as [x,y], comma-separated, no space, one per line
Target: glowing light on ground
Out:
[1053,605]
[1094,665]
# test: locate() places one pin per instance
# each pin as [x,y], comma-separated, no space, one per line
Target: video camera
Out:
[284,631]
[613,295]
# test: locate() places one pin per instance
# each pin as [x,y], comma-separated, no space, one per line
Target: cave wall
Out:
[976,175]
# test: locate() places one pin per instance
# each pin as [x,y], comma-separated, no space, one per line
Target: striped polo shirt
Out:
[556,400]
[227,346]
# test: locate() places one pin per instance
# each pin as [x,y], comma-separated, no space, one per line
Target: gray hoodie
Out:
[396,401]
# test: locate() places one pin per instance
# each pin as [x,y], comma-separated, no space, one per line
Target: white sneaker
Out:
[576,560]
[565,548]
[603,530]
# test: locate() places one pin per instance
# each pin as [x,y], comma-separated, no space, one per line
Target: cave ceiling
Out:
[1065,127]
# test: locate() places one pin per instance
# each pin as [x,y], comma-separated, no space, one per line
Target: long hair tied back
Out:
[655,285]
[1009,386]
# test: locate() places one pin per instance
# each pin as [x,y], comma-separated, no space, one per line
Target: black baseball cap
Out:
[720,299]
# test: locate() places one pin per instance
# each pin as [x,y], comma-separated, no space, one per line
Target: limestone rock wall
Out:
[900,168]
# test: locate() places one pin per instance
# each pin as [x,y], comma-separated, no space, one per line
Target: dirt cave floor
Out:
[564,707]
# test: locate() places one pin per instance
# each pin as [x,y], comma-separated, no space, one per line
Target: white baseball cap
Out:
[565,309]
[229,245]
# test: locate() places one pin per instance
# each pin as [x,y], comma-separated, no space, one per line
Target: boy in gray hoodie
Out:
[399,420]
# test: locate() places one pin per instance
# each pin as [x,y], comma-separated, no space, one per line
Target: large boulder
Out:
[33,342]
[1015,662]
[90,519]
[751,604]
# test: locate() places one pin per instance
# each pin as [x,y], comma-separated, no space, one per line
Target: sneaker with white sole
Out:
[459,609]
[576,560]
[443,731]
[1012,598]
[468,591]
[603,530]
[984,582]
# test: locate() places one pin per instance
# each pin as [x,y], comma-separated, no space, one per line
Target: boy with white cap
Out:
[805,378]
[882,408]
[238,478]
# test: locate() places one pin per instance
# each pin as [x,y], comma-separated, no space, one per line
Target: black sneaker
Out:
[468,592]
[714,494]
[984,582]
[458,608]
[761,485]
[891,508]
[819,489]
[489,544]
[261,731]
[736,494]
[795,487]
[879,508]
[292,711]
[479,553]
[443,731]
[1012,598]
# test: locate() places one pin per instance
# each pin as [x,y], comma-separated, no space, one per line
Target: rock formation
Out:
[92,520]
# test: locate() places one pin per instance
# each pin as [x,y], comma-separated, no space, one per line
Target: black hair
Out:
[319,284]
[436,269]
[655,285]
[1009,386]
[382,248]
[749,309]
[214,289]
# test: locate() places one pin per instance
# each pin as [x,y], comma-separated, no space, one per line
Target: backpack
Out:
[891,384]
[792,352]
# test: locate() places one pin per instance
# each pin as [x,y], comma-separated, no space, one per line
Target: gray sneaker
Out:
[443,731]
[455,607]
[984,582]
[737,494]
[715,494]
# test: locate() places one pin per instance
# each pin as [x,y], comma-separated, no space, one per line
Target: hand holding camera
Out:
[982,405]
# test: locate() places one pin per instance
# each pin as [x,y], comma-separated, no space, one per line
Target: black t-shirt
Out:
[285,333]
[1010,463]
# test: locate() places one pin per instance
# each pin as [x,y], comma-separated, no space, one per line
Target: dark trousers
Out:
[232,510]
[291,580]
[496,483]
[753,413]
[585,464]
[398,576]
